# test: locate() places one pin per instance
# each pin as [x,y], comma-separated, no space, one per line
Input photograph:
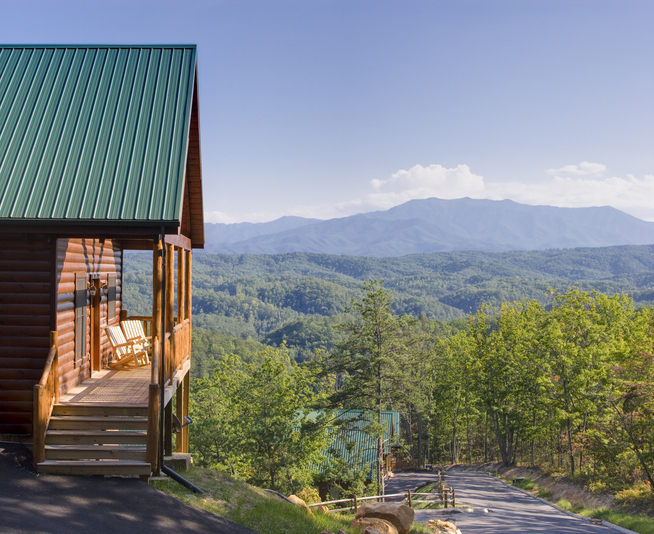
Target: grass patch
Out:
[545,493]
[251,507]
[526,484]
[640,524]
[564,503]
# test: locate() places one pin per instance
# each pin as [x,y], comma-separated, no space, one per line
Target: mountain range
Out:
[436,225]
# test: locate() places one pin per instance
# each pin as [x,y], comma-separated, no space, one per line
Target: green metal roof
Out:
[356,446]
[94,133]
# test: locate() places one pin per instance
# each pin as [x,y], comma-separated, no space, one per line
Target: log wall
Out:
[93,257]
[26,292]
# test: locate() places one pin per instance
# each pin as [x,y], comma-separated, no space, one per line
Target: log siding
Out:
[98,259]
[26,291]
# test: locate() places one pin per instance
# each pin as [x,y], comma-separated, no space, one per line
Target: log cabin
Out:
[99,155]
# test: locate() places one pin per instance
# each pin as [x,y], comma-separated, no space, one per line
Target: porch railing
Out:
[177,354]
[178,348]
[147,323]
[45,395]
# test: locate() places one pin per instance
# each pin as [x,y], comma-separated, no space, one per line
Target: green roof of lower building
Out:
[94,133]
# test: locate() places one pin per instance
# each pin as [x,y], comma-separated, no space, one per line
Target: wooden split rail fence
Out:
[445,497]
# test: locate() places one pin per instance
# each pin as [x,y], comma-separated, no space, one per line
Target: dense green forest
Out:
[299,297]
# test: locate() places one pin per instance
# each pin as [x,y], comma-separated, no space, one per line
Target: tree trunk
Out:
[420,439]
[570,448]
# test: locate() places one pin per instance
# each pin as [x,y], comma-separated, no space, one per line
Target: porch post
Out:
[157,271]
[170,324]
[188,292]
[187,395]
[179,411]
[170,288]
[154,402]
[181,285]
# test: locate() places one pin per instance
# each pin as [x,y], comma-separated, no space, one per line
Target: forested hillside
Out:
[299,297]
[250,296]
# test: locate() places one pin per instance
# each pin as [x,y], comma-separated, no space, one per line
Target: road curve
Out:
[510,510]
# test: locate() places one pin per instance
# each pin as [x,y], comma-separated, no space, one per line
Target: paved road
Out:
[98,505]
[510,510]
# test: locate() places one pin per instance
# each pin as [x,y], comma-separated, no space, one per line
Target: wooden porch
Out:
[110,424]
[127,387]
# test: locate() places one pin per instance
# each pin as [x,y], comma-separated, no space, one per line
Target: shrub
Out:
[564,503]
[525,484]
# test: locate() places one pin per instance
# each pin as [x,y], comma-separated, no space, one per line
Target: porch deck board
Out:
[112,386]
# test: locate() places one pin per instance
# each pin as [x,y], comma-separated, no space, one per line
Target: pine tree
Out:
[371,363]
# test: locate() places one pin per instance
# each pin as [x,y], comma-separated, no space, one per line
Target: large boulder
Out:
[399,515]
[296,500]
[365,524]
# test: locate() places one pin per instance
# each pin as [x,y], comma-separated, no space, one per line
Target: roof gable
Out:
[96,133]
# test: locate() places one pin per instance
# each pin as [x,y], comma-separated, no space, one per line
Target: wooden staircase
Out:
[96,439]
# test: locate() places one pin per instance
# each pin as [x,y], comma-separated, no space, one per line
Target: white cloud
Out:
[227,218]
[575,186]
[629,194]
[425,182]
[585,168]
[218,217]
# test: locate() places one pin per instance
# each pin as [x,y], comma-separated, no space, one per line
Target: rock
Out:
[341,531]
[443,527]
[321,509]
[379,525]
[371,530]
[296,500]
[326,532]
[399,515]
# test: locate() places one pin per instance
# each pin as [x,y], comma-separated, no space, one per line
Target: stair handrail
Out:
[44,396]
[154,398]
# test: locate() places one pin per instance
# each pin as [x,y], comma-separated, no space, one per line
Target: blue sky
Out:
[329,108]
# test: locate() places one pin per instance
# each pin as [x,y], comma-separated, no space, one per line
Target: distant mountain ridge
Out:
[436,225]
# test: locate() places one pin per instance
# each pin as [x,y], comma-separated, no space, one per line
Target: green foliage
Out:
[568,385]
[545,493]
[640,524]
[526,484]
[255,420]
[210,347]
[305,335]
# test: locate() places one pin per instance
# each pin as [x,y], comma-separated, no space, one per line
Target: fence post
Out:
[356,508]
[409,495]
[453,499]
[445,495]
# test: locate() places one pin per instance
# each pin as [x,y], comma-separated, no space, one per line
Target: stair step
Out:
[94,452]
[99,410]
[100,437]
[59,422]
[100,467]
